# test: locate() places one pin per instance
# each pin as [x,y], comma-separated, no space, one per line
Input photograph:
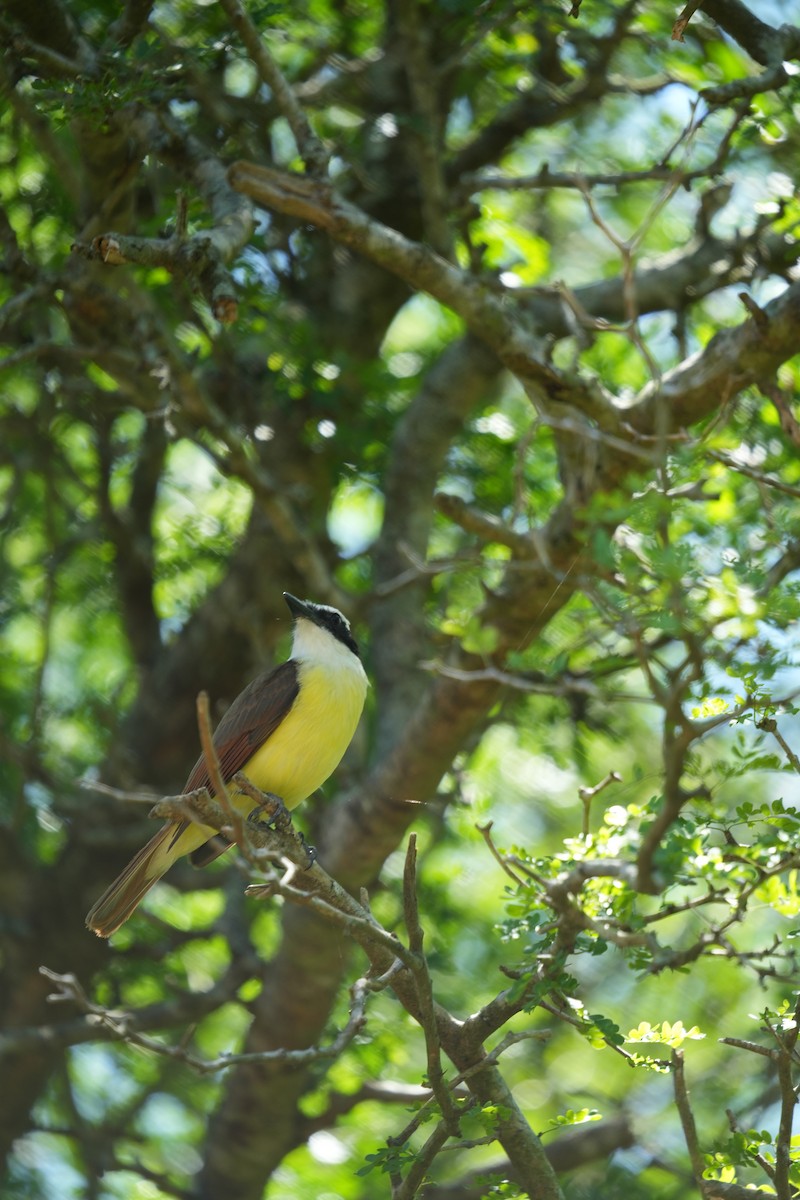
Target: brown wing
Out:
[253,717]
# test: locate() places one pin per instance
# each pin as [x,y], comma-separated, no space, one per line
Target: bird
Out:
[287,731]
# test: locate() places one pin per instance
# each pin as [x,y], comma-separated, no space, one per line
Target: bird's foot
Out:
[311,851]
[279,818]
[272,815]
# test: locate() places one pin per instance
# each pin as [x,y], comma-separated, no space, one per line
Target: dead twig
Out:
[424,990]
[587,795]
[119,1023]
[687,1119]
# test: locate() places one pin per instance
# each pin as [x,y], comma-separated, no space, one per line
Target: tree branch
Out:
[765,44]
[311,149]
[484,313]
[328,898]
[126,1026]
[734,359]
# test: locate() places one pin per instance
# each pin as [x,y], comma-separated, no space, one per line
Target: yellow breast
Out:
[309,743]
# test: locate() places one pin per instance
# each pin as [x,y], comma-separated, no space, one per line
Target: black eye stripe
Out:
[332,620]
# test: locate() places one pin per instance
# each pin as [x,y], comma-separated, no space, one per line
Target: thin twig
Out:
[409,1187]
[310,147]
[786,1038]
[587,795]
[210,756]
[486,833]
[766,1167]
[751,473]
[687,1119]
[424,988]
[122,794]
[118,1022]
[770,725]
[679,28]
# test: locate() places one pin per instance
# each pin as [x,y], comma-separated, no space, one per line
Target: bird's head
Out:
[319,630]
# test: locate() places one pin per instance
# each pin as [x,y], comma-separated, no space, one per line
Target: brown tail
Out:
[120,899]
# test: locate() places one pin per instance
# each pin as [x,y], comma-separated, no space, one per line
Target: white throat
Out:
[313,644]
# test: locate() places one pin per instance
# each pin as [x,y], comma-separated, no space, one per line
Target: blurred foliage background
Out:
[560,509]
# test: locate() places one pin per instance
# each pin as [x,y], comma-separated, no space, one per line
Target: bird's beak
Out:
[298,608]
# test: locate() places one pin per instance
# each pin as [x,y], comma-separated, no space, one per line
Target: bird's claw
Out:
[280,819]
[311,851]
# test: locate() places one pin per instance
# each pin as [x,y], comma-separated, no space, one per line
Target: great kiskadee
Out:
[287,731]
